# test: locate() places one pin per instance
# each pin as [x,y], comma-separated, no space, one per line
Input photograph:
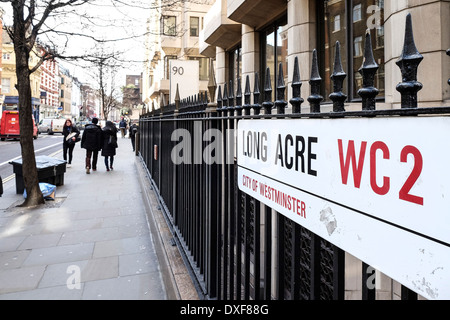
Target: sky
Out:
[121,24]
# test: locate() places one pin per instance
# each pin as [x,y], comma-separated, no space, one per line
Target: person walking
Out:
[92,141]
[70,133]
[133,130]
[123,127]
[109,144]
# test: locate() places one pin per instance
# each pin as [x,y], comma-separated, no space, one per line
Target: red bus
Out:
[9,126]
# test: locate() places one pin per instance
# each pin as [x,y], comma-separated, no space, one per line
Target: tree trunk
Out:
[29,170]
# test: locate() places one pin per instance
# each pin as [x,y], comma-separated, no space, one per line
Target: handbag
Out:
[70,136]
[112,141]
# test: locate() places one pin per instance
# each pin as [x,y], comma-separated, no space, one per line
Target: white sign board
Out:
[185,73]
[377,188]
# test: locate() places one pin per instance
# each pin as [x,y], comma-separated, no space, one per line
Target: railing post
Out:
[368,70]
[212,247]
[219,173]
[280,103]
[231,192]
[408,63]
[338,76]
[315,98]
[231,99]
[175,167]
[239,210]
[239,98]
[296,85]
[247,95]
[267,104]
[177,100]
[256,96]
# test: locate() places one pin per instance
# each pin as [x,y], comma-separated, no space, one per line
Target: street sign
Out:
[377,188]
[185,73]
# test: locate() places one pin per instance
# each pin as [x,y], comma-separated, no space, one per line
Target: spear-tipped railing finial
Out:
[368,70]
[409,63]
[315,98]
[296,85]
[247,95]
[338,76]
[239,98]
[267,104]
[280,102]
[212,82]
[177,99]
[219,100]
[256,95]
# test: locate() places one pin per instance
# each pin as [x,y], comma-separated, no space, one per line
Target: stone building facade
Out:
[248,36]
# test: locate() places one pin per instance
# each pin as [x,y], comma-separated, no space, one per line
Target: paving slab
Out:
[95,241]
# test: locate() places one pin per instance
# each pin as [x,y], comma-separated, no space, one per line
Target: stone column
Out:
[220,66]
[431,28]
[250,54]
[301,41]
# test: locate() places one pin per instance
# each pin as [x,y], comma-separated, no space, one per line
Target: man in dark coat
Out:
[92,141]
[123,127]
[133,130]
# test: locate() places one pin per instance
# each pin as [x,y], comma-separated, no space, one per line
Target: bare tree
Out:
[106,75]
[30,19]
[52,21]
[24,33]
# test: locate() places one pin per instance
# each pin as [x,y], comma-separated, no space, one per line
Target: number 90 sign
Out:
[185,74]
[178,70]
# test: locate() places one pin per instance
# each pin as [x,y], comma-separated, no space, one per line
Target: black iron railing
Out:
[237,247]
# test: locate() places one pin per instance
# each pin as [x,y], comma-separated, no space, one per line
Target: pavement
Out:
[101,238]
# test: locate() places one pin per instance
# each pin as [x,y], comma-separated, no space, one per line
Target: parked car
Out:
[51,126]
[9,126]
[58,125]
[45,126]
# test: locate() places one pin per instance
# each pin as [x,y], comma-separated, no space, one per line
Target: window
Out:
[203,66]
[194,26]
[358,46]
[357,13]
[380,37]
[6,85]
[235,65]
[6,56]
[356,16]
[167,65]
[274,51]
[170,25]
[337,23]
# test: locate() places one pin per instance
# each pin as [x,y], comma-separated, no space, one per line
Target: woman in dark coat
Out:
[109,144]
[69,144]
